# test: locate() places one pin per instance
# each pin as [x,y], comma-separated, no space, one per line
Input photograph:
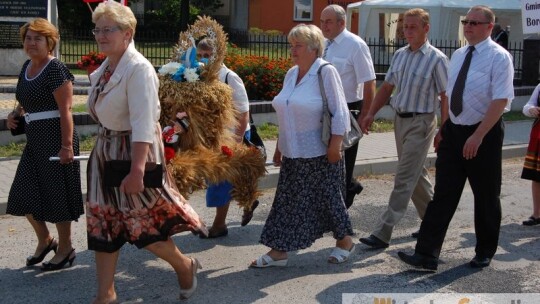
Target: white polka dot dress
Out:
[45,189]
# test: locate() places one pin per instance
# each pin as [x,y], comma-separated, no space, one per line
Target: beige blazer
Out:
[129,101]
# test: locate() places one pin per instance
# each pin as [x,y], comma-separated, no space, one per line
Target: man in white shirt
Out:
[480,88]
[350,55]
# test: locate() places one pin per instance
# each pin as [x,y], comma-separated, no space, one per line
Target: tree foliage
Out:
[179,13]
[74,14]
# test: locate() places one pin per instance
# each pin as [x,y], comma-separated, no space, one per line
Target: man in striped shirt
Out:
[480,88]
[418,74]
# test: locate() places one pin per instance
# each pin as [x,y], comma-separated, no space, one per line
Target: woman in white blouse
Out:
[124,100]
[310,191]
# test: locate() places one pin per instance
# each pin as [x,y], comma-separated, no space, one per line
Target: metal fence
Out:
[157,46]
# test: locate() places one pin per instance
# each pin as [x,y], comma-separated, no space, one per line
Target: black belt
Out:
[409,114]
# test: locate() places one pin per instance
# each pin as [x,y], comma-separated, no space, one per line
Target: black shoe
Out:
[374,242]
[419,260]
[355,189]
[33,260]
[532,221]
[416,234]
[68,259]
[212,234]
[479,262]
[248,215]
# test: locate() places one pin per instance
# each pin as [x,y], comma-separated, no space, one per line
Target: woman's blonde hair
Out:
[117,12]
[310,35]
[45,29]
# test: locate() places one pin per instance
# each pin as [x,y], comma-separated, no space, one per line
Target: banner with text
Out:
[530,16]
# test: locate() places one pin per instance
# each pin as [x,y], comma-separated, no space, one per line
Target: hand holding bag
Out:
[116,170]
[350,138]
[21,122]
[255,140]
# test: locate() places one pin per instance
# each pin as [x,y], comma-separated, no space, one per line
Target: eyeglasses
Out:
[105,31]
[473,23]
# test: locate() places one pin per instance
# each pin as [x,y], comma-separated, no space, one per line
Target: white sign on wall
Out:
[530,11]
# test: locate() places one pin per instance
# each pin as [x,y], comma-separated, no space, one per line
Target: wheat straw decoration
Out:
[207,152]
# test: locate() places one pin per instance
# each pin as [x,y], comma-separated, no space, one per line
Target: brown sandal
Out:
[248,215]
[212,233]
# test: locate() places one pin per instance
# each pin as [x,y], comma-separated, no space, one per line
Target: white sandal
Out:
[339,255]
[187,293]
[266,261]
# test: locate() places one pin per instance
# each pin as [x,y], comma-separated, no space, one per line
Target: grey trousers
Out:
[414,136]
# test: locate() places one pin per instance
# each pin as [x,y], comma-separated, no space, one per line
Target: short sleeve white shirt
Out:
[239,94]
[350,55]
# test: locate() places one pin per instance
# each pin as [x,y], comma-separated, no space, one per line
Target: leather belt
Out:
[409,114]
[41,115]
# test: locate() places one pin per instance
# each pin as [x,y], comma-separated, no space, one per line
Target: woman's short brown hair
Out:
[45,29]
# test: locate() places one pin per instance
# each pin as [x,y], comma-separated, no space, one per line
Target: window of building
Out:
[303,10]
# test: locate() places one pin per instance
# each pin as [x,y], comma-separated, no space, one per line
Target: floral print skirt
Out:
[309,201]
[114,218]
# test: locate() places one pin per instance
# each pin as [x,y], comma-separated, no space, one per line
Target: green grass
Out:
[515,115]
[12,149]
[79,108]
[268,131]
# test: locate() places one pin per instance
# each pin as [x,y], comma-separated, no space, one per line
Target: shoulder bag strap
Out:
[321,87]
[227,78]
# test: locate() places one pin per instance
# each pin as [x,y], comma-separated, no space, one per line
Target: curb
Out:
[362,168]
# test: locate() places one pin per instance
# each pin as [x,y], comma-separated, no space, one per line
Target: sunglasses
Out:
[473,23]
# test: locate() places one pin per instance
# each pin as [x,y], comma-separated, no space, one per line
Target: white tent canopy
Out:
[380,18]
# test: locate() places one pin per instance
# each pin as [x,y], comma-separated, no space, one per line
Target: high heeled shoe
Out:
[33,260]
[187,293]
[68,259]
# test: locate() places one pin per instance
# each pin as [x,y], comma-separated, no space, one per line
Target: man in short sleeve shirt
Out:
[350,55]
[418,74]
[471,145]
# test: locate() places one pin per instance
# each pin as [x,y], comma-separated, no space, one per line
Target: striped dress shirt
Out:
[419,77]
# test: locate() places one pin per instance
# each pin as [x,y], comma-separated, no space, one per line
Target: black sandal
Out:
[532,221]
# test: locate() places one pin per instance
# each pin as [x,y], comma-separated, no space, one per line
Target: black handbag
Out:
[255,140]
[116,170]
[20,129]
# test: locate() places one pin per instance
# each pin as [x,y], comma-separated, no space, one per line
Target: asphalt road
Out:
[225,277]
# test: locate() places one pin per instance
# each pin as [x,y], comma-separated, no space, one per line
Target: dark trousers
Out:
[350,155]
[452,170]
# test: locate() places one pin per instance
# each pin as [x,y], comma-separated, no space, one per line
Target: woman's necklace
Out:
[108,73]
